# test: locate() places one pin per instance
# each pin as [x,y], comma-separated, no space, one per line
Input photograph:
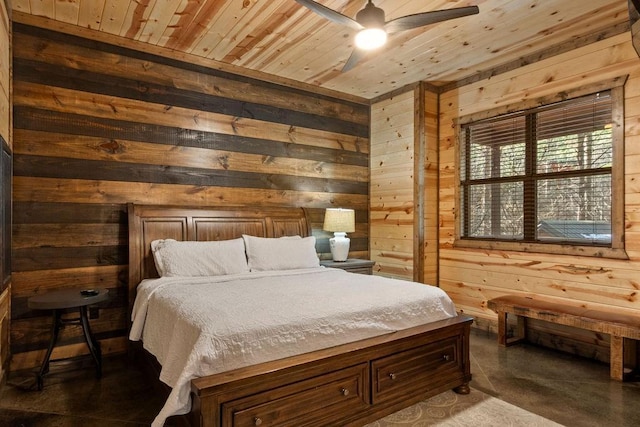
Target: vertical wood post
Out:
[419,157]
[617,358]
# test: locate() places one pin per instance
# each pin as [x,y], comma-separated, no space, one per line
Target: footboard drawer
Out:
[417,368]
[317,401]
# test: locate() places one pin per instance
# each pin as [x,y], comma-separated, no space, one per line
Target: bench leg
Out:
[502,328]
[521,330]
[520,333]
[616,362]
[624,355]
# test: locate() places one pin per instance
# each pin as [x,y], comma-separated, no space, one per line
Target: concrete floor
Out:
[568,390]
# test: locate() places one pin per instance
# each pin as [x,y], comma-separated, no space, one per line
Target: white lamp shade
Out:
[341,220]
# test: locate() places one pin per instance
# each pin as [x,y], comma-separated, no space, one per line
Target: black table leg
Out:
[55,328]
[61,302]
[94,346]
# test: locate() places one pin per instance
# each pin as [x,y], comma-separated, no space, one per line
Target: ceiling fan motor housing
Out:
[371,16]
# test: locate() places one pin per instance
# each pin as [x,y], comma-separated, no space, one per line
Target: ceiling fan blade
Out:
[420,19]
[355,57]
[330,14]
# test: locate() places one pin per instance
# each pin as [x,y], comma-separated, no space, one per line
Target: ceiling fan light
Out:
[371,38]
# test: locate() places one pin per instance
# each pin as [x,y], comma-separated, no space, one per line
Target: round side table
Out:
[65,299]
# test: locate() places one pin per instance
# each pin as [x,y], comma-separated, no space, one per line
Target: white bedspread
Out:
[197,326]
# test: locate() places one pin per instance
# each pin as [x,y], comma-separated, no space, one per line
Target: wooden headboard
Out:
[151,222]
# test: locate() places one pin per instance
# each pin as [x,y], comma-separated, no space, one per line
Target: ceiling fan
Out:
[372,28]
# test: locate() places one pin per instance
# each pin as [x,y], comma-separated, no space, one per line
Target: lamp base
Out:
[339,244]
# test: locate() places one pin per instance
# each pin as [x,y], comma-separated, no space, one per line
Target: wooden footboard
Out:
[347,385]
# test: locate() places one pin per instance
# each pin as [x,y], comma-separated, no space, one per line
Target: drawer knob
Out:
[446,357]
[344,392]
[257,421]
[392,376]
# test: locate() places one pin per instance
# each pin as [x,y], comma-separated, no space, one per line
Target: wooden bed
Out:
[347,385]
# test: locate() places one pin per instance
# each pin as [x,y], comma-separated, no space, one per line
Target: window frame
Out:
[616,248]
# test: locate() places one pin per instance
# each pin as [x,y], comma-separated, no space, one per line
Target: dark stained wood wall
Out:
[5,183]
[98,126]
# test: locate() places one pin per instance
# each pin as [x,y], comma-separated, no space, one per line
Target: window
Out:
[544,176]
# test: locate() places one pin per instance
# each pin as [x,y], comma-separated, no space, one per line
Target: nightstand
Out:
[352,265]
[59,301]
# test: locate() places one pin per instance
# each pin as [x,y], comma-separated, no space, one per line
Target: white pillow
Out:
[215,258]
[284,253]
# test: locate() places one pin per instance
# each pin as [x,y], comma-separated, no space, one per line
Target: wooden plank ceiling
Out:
[283,39]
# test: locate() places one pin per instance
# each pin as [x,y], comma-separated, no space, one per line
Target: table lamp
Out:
[340,221]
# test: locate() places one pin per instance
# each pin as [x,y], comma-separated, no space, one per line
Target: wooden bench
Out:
[623,328]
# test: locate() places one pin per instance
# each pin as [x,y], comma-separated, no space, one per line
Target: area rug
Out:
[475,409]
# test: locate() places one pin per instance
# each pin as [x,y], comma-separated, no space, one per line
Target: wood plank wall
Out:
[5,196]
[472,277]
[392,186]
[98,126]
[404,192]
[430,187]
[5,70]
